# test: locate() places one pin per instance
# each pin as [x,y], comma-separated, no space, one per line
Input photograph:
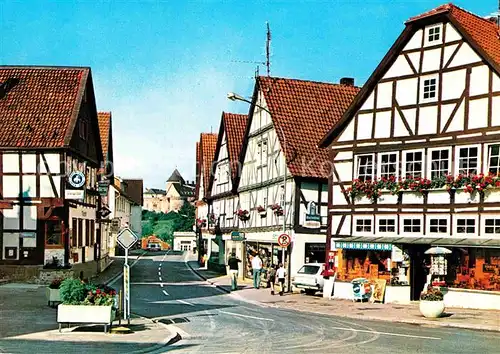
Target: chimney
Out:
[348,81]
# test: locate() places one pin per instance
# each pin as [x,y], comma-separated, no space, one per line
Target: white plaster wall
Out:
[384,95]
[472,299]
[406,92]
[382,125]
[365,122]
[451,33]
[338,197]
[429,120]
[453,84]
[478,113]
[415,41]
[299,249]
[348,133]
[399,68]
[465,55]
[344,170]
[495,116]
[479,79]
[431,60]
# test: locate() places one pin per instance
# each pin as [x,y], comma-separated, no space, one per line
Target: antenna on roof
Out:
[268,49]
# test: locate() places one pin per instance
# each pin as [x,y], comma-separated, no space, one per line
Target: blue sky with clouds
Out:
[163,68]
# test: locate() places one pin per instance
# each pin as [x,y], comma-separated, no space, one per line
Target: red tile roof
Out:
[104,131]
[481,30]
[40,108]
[208,142]
[303,112]
[234,125]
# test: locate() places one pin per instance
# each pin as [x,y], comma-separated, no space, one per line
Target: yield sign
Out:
[126,238]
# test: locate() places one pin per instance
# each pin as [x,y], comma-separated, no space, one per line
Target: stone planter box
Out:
[466,198]
[85,314]
[413,198]
[53,296]
[431,309]
[492,195]
[387,198]
[438,196]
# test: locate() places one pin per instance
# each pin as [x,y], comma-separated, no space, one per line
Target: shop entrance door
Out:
[418,270]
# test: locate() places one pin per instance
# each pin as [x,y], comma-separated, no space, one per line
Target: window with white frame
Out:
[413,163]
[492,226]
[365,167]
[429,88]
[412,225]
[363,225]
[388,164]
[262,151]
[387,225]
[434,34]
[467,159]
[494,159]
[438,225]
[466,226]
[439,162]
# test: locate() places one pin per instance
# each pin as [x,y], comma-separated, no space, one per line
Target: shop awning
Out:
[348,245]
[434,241]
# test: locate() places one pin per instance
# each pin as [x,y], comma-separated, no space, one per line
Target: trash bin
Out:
[361,289]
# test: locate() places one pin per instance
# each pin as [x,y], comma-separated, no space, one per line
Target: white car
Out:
[309,278]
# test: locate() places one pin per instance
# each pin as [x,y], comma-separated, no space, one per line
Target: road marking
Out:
[382,333]
[246,316]
[160,279]
[165,292]
[160,265]
[161,285]
[185,302]
[159,273]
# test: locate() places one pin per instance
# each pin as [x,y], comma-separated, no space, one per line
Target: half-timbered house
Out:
[205,151]
[50,153]
[284,175]
[412,157]
[223,184]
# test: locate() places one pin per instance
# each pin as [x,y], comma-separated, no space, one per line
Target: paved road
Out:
[210,321]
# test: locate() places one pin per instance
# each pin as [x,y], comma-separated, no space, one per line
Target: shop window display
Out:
[474,268]
[365,264]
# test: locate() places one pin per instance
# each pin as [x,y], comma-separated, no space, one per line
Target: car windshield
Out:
[308,269]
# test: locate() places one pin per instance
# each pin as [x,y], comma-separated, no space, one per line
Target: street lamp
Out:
[235,97]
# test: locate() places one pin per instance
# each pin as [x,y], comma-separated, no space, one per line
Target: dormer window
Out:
[434,34]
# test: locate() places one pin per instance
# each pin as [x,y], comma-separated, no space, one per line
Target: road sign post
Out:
[126,238]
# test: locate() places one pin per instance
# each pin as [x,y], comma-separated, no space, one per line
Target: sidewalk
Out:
[488,320]
[29,324]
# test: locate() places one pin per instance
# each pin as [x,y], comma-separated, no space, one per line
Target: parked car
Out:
[309,278]
[154,247]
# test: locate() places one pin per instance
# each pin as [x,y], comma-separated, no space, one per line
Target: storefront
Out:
[269,253]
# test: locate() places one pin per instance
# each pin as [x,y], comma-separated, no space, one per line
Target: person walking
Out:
[233,270]
[272,278]
[256,269]
[280,274]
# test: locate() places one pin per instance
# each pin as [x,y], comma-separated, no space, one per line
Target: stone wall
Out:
[46,276]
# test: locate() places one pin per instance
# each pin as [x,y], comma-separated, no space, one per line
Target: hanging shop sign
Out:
[237,236]
[76,179]
[312,218]
[75,194]
[102,188]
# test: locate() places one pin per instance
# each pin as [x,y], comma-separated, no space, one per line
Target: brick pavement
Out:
[453,317]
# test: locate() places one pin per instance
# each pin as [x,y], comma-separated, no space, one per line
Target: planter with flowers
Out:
[262,211]
[277,209]
[243,215]
[201,223]
[413,189]
[86,303]
[431,303]
[212,219]
[52,291]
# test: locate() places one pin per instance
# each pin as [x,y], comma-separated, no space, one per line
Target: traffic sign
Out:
[284,240]
[126,238]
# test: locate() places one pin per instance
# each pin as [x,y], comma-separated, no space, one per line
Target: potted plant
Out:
[262,211]
[431,303]
[86,303]
[243,215]
[277,209]
[52,291]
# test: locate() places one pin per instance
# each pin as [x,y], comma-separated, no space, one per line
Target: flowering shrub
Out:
[466,183]
[56,283]
[432,294]
[77,292]
[243,215]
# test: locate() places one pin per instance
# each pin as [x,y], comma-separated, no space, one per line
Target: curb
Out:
[412,322]
[208,281]
[172,339]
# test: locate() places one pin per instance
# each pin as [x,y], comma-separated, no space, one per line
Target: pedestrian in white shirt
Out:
[256,269]
[280,274]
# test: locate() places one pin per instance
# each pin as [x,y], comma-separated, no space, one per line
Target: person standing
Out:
[256,269]
[280,274]
[233,270]
[272,278]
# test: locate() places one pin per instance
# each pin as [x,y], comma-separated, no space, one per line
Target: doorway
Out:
[419,269]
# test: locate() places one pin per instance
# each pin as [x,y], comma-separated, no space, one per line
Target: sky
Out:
[164,68]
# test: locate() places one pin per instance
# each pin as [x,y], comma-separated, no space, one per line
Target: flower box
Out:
[362,200]
[492,195]
[263,214]
[462,197]
[85,314]
[387,198]
[431,309]
[410,197]
[438,196]
[53,296]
